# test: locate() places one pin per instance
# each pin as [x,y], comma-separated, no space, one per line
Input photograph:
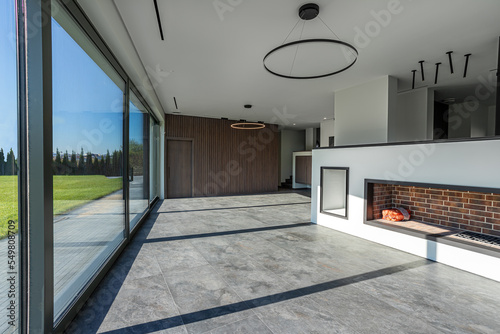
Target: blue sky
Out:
[87,104]
[8,89]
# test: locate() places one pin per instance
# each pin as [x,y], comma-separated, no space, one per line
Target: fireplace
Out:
[436,210]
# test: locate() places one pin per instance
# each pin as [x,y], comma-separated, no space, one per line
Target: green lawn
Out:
[69,192]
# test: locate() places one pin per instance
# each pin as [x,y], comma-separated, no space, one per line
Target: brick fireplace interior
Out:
[437,210]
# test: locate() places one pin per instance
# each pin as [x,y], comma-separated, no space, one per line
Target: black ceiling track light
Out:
[158,19]
[437,73]
[422,69]
[413,80]
[450,58]
[467,56]
[438,65]
[306,13]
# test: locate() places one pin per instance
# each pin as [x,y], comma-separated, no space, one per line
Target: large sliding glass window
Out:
[138,159]
[9,247]
[88,116]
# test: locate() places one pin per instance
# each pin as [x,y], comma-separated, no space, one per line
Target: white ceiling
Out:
[213,67]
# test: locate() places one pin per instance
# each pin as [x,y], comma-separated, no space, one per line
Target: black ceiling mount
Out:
[309,11]
[248,106]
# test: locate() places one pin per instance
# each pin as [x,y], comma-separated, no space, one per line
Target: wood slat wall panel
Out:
[215,144]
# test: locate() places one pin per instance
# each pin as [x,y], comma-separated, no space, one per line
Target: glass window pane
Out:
[89,206]
[154,156]
[138,159]
[9,247]
[334,191]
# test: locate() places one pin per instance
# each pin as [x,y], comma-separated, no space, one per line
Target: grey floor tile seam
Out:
[297,255]
[250,259]
[387,306]
[170,292]
[236,291]
[236,321]
[260,318]
[222,277]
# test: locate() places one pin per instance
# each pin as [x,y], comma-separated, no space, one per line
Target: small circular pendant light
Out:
[248,126]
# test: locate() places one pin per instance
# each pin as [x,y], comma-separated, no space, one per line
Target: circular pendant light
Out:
[310,58]
[248,126]
[310,63]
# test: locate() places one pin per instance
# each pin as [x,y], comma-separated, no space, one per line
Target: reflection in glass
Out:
[138,160]
[89,204]
[334,191]
[154,156]
[9,241]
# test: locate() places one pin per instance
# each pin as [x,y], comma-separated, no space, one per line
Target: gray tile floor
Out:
[253,264]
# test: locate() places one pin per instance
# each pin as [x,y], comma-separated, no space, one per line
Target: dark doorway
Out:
[441,111]
[179,168]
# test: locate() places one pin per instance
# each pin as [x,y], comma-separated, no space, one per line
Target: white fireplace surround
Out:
[465,163]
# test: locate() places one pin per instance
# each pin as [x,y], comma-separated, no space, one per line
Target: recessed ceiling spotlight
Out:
[325,118]
[449,100]
[248,106]
[294,124]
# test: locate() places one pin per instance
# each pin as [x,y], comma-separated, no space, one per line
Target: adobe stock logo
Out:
[381,19]
[224,6]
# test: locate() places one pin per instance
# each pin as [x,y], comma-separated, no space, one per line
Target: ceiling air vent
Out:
[158,19]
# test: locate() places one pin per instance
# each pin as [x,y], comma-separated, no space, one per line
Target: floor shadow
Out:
[218,234]
[233,208]
[193,317]
[82,244]
[98,305]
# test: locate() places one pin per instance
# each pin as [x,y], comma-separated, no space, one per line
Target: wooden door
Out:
[179,168]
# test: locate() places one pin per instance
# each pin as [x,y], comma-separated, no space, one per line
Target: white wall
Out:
[291,141]
[408,122]
[362,112]
[309,140]
[453,163]
[327,131]
[480,122]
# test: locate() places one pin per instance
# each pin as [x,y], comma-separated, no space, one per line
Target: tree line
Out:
[87,164]
[8,164]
